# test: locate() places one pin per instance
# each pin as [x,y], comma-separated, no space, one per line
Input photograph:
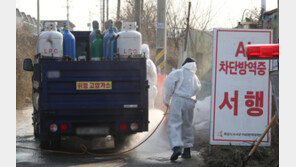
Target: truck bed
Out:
[62,100]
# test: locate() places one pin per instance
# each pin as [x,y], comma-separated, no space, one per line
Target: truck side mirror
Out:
[28,65]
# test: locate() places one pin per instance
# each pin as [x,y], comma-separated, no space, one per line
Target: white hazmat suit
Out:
[151,76]
[182,86]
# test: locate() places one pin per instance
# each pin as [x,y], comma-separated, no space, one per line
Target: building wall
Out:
[271,21]
[199,47]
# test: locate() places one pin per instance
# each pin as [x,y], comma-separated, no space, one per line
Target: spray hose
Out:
[84,148]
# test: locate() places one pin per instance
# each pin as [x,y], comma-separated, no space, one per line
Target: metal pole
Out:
[89,19]
[263,5]
[210,149]
[142,5]
[160,59]
[68,14]
[107,9]
[103,16]
[138,13]
[38,17]
[118,9]
[263,8]
[187,28]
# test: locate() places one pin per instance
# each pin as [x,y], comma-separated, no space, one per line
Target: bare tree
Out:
[176,24]
[252,15]
[148,20]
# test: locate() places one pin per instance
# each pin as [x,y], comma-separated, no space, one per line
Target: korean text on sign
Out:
[94,85]
[242,68]
[253,103]
[241,96]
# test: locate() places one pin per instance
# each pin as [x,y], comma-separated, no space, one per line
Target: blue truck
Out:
[88,98]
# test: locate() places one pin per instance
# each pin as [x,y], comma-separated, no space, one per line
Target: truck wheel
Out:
[120,142]
[55,142]
[50,142]
[44,143]
[36,131]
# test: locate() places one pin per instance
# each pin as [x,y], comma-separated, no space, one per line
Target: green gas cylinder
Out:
[97,49]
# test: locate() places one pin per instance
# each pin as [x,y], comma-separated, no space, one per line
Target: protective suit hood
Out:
[190,66]
[145,50]
[182,82]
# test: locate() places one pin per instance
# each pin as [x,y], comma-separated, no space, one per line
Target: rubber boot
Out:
[176,153]
[186,153]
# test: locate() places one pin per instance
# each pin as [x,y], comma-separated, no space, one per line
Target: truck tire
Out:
[44,143]
[50,142]
[120,142]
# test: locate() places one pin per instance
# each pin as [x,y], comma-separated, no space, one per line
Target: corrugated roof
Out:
[271,12]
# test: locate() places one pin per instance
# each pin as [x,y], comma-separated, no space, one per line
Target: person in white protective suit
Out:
[179,92]
[151,76]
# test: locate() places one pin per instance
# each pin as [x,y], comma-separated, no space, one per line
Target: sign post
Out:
[241,90]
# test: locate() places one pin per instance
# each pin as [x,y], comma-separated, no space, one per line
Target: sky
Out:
[229,12]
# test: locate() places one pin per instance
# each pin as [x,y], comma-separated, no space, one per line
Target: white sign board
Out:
[241,90]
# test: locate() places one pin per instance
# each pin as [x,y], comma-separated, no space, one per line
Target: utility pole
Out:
[263,8]
[107,9]
[187,28]
[38,17]
[89,20]
[142,5]
[161,36]
[68,14]
[103,16]
[118,9]
[138,14]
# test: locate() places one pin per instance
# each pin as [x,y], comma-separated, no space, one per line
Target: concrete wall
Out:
[22,19]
